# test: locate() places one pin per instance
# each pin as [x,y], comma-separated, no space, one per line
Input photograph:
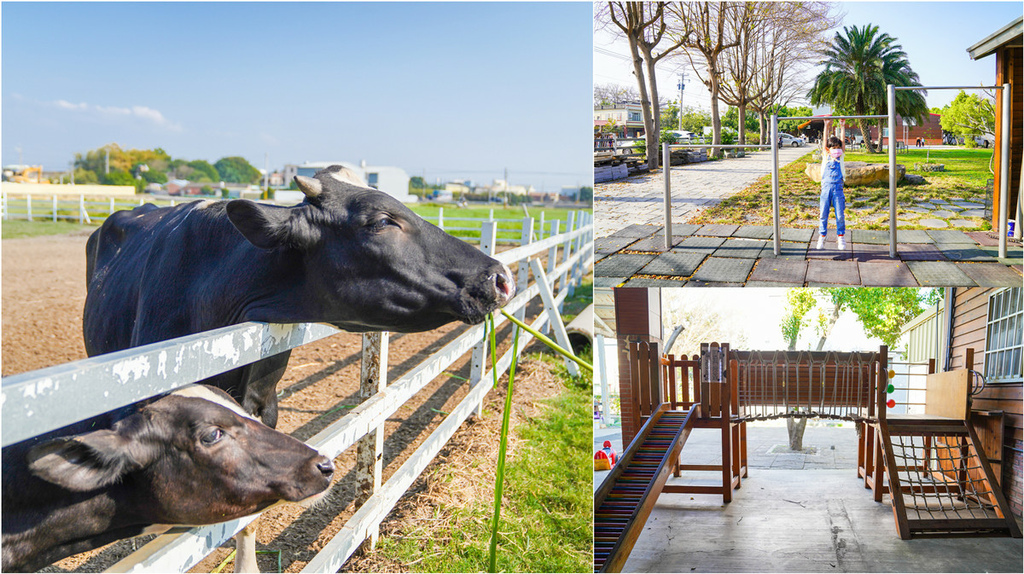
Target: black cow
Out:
[347,255]
[191,457]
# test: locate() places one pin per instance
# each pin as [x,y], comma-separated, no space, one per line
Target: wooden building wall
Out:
[637,318]
[969,326]
[1009,69]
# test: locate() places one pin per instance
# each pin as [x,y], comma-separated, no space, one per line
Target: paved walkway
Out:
[641,198]
[720,255]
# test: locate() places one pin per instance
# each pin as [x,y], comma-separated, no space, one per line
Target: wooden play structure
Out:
[943,481]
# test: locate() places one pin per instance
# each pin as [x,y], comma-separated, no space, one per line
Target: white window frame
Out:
[1003,338]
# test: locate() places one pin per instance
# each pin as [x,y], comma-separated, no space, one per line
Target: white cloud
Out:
[138,112]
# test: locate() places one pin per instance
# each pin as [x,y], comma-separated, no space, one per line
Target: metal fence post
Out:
[28,203]
[666,169]
[1004,170]
[440,218]
[776,203]
[370,450]
[488,241]
[891,99]
[523,274]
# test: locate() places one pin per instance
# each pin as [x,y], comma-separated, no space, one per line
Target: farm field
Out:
[43,286]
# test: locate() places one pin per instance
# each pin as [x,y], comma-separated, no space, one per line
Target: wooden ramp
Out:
[627,495]
[940,481]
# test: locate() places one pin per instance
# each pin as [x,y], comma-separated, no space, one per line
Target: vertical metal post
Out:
[891,101]
[488,241]
[666,169]
[370,449]
[1004,170]
[776,204]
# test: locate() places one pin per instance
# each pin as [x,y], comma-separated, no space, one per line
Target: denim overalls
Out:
[832,196]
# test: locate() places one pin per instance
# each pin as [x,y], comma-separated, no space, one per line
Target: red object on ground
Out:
[605,458]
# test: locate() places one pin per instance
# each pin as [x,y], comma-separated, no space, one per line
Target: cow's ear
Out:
[89,461]
[270,226]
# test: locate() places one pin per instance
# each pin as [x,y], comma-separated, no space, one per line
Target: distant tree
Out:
[969,115]
[85,176]
[859,63]
[586,194]
[153,176]
[236,169]
[792,126]
[117,177]
[731,120]
[609,94]
[694,119]
[202,166]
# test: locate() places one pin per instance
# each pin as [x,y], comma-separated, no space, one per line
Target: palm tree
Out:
[859,63]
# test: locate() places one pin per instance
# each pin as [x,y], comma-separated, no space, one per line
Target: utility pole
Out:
[682,85]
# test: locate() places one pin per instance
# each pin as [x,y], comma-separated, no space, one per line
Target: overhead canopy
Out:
[1009,35]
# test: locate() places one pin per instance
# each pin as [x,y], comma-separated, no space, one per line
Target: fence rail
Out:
[48,399]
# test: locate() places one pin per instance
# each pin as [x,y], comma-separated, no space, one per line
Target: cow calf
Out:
[191,457]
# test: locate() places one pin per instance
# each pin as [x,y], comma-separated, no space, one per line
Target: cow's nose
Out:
[325,466]
[504,284]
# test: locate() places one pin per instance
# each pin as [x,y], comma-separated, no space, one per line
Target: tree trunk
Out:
[716,120]
[652,80]
[742,110]
[796,426]
[865,128]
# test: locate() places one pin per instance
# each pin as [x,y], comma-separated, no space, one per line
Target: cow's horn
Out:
[309,186]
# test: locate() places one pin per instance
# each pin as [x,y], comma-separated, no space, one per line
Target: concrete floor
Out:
[812,518]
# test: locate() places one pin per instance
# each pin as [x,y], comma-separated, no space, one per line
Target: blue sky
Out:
[460,90]
[935,36]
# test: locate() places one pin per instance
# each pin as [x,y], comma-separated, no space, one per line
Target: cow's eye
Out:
[382,223]
[212,436]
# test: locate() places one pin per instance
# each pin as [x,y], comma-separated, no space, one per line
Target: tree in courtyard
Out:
[859,64]
[969,115]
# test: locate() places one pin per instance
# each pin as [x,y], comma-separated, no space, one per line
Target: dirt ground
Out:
[43,292]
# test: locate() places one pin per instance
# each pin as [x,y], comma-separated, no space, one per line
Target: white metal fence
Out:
[41,401]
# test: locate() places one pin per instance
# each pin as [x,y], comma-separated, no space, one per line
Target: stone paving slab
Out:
[833,272]
[611,244]
[706,245]
[652,282]
[913,236]
[742,248]
[754,232]
[637,230]
[674,263]
[871,236]
[939,274]
[621,265]
[724,270]
[717,230]
[780,271]
[991,274]
[958,252]
[787,250]
[948,236]
[886,274]
[870,252]
[919,252]
[609,281]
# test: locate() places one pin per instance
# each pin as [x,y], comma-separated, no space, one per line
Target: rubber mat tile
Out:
[986,238]
[717,230]
[609,281]
[651,282]
[991,274]
[674,263]
[802,235]
[684,229]
[771,284]
[714,284]
[939,274]
[974,254]
[829,251]
[787,250]
[872,236]
[754,232]
[611,244]
[655,243]
[742,248]
[913,236]
[705,245]
[724,270]
[780,271]
[950,236]
[833,272]
[886,274]
[919,252]
[621,265]
[870,252]
[637,230]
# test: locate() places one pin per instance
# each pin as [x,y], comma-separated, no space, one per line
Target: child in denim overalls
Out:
[832,191]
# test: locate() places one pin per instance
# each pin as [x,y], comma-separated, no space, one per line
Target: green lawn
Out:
[867,207]
[14,228]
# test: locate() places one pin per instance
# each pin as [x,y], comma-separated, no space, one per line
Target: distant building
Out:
[276,179]
[628,118]
[393,181]
[175,186]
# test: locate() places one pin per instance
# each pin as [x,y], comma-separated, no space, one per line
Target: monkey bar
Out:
[890,116]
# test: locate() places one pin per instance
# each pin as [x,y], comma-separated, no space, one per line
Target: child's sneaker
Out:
[841,243]
[821,242]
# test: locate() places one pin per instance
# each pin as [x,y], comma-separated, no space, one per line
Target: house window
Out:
[1003,335]
[635,117]
[371,180]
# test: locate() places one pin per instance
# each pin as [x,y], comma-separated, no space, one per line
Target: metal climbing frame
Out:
[890,116]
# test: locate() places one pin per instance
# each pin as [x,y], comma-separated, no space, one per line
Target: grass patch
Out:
[15,229]
[580,300]
[965,179]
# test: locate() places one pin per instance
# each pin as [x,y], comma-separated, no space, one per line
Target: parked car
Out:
[985,141]
[792,140]
[682,136]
